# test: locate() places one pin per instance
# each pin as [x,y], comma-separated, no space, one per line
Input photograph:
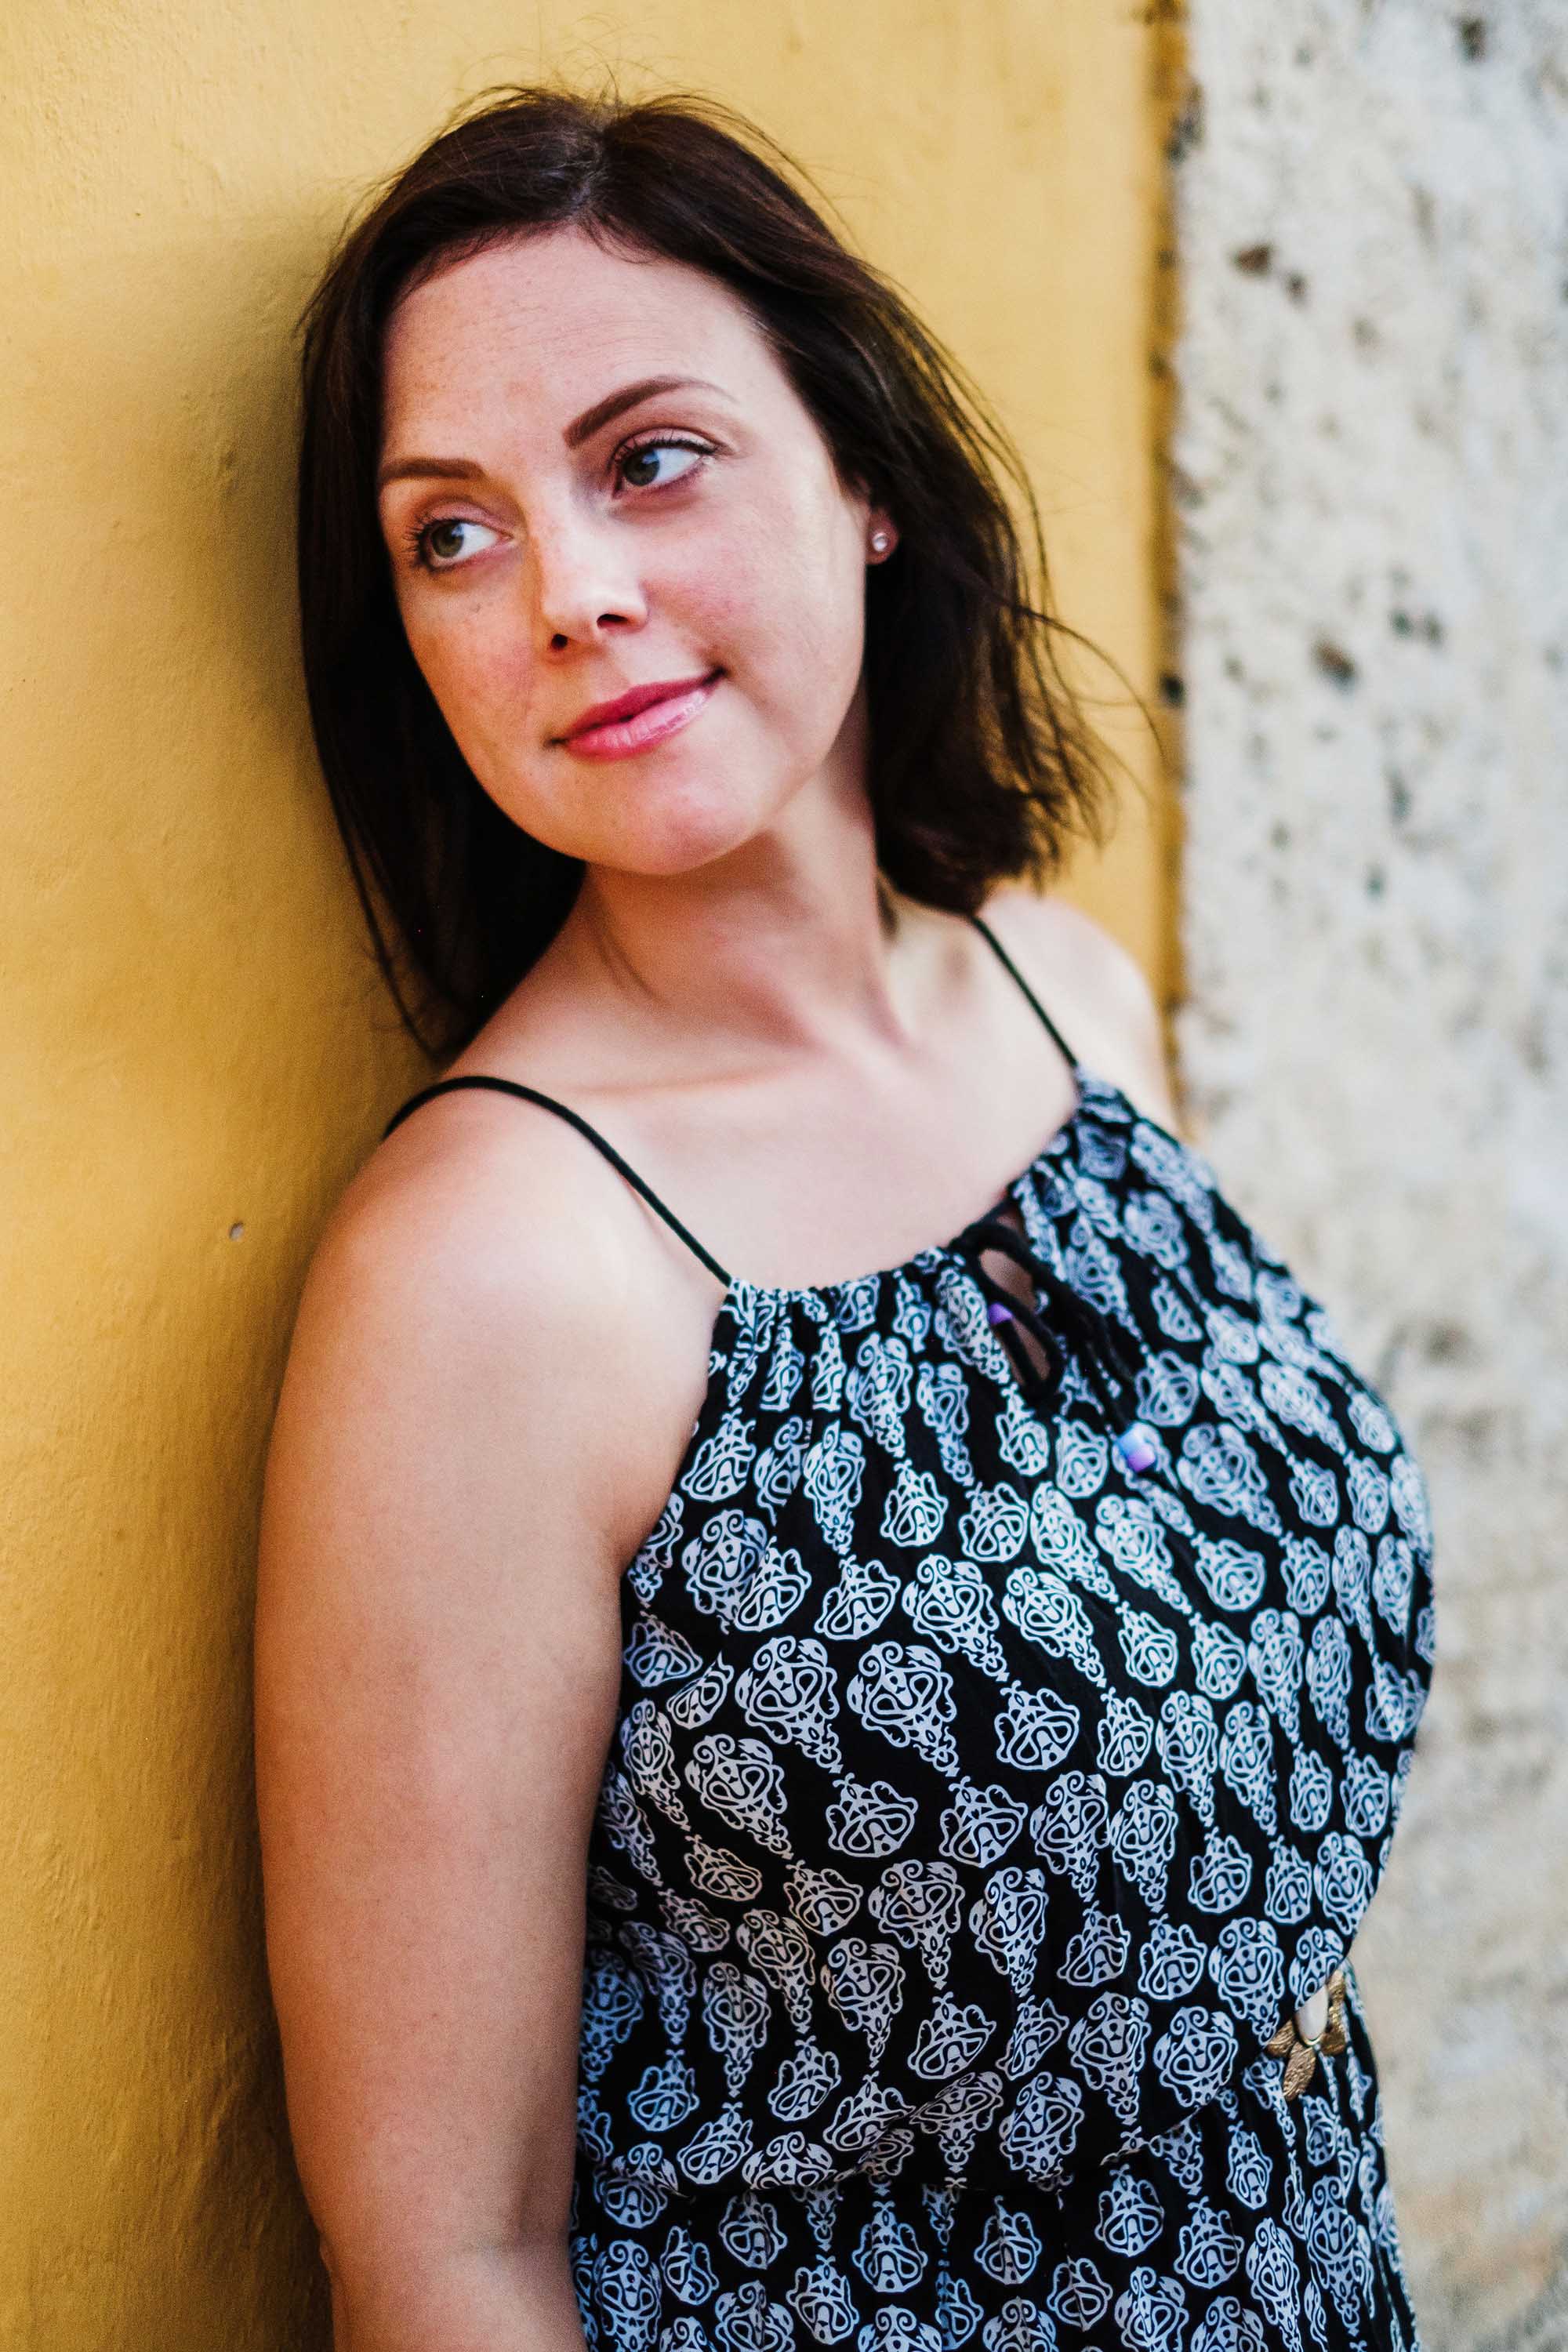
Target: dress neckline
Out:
[744,1304]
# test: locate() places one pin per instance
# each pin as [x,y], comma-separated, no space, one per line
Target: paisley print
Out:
[986,1791]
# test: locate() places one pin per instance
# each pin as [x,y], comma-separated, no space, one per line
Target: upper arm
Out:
[1096,990]
[437,1662]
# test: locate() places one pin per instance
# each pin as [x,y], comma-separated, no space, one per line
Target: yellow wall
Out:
[197,1054]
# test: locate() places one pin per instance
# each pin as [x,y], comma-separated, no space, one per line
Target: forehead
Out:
[550,322]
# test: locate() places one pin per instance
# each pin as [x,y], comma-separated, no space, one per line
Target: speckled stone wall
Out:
[1370,463]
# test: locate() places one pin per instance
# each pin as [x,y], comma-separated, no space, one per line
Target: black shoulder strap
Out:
[547,1102]
[987,933]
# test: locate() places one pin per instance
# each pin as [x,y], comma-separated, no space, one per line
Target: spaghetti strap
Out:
[575,1119]
[987,933]
[547,1102]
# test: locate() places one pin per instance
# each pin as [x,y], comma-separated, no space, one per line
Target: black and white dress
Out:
[1004,1751]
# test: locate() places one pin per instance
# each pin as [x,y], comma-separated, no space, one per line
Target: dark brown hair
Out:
[981,765]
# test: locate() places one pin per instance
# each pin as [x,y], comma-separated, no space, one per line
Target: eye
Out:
[442,545]
[645,466]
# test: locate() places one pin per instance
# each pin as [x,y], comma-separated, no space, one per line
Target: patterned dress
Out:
[1004,1751]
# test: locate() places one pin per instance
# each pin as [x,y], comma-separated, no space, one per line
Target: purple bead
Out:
[1136,1448]
[996,1313]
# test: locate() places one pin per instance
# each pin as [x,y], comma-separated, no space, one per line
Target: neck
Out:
[772,949]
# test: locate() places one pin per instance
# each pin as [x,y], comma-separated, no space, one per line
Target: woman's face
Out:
[596,476]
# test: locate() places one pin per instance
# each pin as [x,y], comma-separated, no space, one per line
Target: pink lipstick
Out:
[644,715]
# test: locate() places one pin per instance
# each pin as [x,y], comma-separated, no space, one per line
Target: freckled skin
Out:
[582,583]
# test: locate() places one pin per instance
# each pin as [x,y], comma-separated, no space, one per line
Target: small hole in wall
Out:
[1447,1343]
[237,1233]
[1473,32]
[1335,663]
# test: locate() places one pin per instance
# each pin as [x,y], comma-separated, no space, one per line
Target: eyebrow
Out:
[582,428]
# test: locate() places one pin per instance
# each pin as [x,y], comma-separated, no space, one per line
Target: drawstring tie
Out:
[1110,1361]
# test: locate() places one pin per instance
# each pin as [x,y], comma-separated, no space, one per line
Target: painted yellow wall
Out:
[197,1054]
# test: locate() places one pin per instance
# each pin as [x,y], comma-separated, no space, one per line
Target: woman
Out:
[801,1806]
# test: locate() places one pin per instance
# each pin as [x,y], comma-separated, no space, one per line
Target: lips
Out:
[641,716]
[636,698]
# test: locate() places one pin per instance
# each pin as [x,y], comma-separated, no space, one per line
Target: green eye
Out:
[641,469]
[445,543]
[647,468]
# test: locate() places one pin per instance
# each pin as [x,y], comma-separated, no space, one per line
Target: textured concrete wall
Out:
[195,1053]
[1371,469]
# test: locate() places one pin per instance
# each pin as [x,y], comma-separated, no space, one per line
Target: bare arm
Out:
[437,1661]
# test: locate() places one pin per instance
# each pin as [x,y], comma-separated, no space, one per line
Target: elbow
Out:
[398,2291]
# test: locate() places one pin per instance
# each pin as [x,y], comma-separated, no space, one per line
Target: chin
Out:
[675,824]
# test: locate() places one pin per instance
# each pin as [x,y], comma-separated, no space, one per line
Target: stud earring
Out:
[880,543]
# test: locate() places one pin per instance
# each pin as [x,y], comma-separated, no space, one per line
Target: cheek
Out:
[476,663]
[786,615]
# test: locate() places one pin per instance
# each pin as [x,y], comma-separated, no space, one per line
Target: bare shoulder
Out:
[448,1246]
[479,1193]
[1094,989]
[468,1326]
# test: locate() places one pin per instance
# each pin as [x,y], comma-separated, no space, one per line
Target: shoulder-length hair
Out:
[981,762]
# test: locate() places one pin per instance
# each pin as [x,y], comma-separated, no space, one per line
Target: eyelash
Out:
[415,540]
[630,449]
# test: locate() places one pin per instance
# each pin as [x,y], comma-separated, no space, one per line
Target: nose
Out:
[585,583]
